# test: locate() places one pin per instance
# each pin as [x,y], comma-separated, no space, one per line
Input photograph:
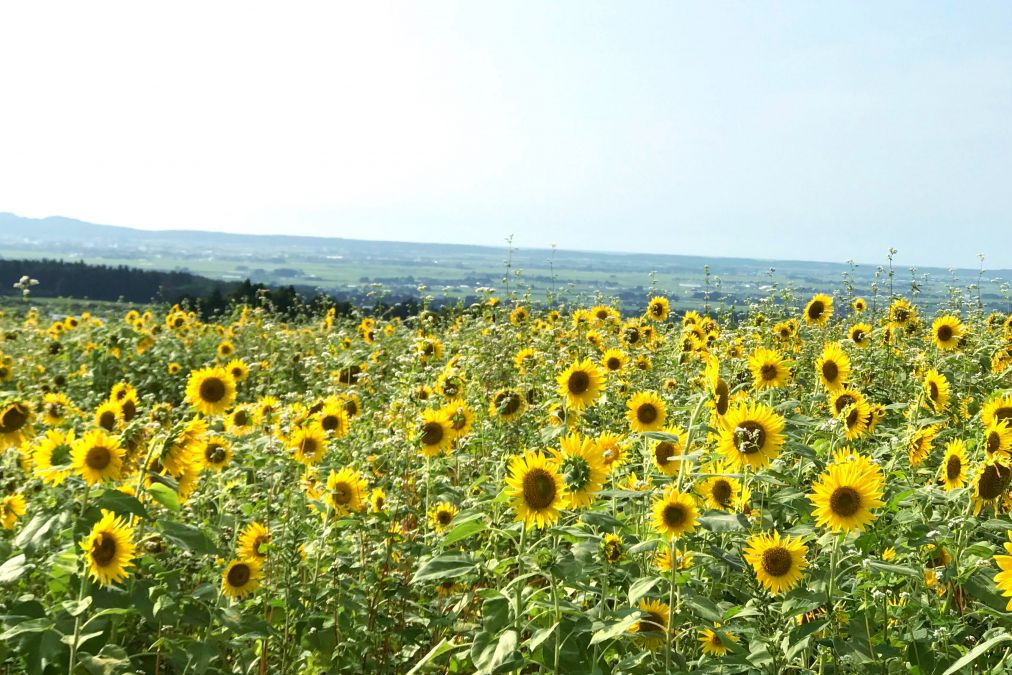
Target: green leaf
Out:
[164,495]
[13,568]
[30,626]
[893,569]
[76,607]
[540,635]
[122,503]
[465,529]
[187,537]
[434,653]
[444,567]
[976,653]
[723,522]
[616,629]
[641,587]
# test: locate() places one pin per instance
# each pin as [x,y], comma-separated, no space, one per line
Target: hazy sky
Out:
[809,130]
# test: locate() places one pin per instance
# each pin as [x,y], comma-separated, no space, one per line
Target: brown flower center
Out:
[103,550]
[830,371]
[953,467]
[722,491]
[674,515]
[845,502]
[212,390]
[538,489]
[749,437]
[239,575]
[776,561]
[578,383]
[647,413]
[98,458]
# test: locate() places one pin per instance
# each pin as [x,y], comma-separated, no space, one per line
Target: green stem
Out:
[80,592]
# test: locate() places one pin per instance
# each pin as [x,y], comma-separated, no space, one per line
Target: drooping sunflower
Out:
[851,406]
[778,562]
[946,332]
[998,409]
[253,542]
[919,446]
[646,412]
[720,491]
[346,491]
[752,435]
[309,443]
[109,549]
[106,414]
[860,334]
[434,433]
[241,578]
[12,507]
[998,438]
[614,360]
[833,367]
[217,453]
[769,369]
[506,404]
[613,548]
[674,513]
[97,457]
[658,308]
[652,629]
[51,456]
[1004,577]
[15,424]
[211,390]
[378,500]
[582,468]
[580,384]
[613,451]
[901,313]
[954,465]
[844,497]
[818,310]
[667,453]
[713,644]
[936,391]
[442,514]
[536,488]
[991,483]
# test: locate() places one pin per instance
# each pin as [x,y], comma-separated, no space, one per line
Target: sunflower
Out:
[442,514]
[109,549]
[652,629]
[428,349]
[461,418]
[519,315]
[12,507]
[719,491]
[845,495]
[658,308]
[1004,578]
[954,465]
[777,562]
[946,332]
[833,367]
[97,457]
[613,548]
[712,643]
[266,410]
[55,408]
[333,419]
[667,452]
[674,513]
[818,310]
[998,409]
[434,433]
[51,456]
[309,443]
[859,304]
[613,451]
[346,491]
[536,488]
[352,404]
[106,414]
[241,420]
[901,313]
[998,438]
[646,412]
[211,390]
[662,559]
[752,435]
[919,446]
[217,453]
[253,542]
[241,578]
[15,419]
[378,500]
[507,404]
[860,334]
[524,359]
[769,369]
[580,384]
[990,484]
[614,360]
[851,406]
[582,468]
[936,391]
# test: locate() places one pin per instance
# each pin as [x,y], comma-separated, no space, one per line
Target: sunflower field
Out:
[814,485]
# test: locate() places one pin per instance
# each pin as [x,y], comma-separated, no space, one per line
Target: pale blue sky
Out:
[790,130]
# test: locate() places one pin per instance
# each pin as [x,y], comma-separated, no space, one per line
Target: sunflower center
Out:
[830,371]
[578,383]
[664,451]
[647,413]
[129,409]
[632,335]
[953,467]
[239,575]
[444,517]
[749,437]
[259,543]
[777,561]
[98,457]
[992,482]
[509,402]
[212,390]
[103,550]
[674,515]
[816,309]
[614,363]
[944,333]
[215,453]
[769,372]
[857,335]
[842,402]
[993,442]
[933,391]
[721,491]
[241,418]
[539,489]
[341,493]
[308,447]
[1003,413]
[845,501]
[432,433]
[107,420]
[853,417]
[723,396]
[654,622]
[54,410]
[13,418]
[900,314]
